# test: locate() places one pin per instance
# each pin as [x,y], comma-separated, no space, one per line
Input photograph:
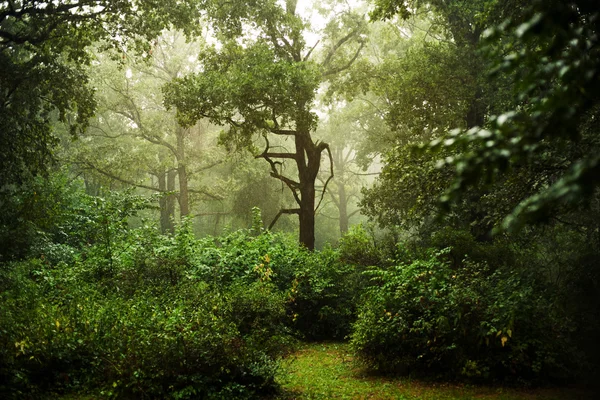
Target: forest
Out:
[198,196]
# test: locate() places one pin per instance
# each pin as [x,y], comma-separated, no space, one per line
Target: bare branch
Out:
[122,180]
[205,214]
[321,147]
[311,50]
[291,184]
[283,132]
[281,212]
[353,213]
[207,194]
[339,44]
[334,71]
[292,156]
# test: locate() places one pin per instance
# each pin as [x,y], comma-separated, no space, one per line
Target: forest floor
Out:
[327,371]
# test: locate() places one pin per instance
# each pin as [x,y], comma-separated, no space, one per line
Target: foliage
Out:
[45,42]
[52,218]
[426,317]
[264,83]
[187,341]
[137,313]
[552,52]
[433,85]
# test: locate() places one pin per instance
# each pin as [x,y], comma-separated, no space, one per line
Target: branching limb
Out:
[281,212]
[334,71]
[283,132]
[311,50]
[321,147]
[339,44]
[353,213]
[119,179]
[207,194]
[290,183]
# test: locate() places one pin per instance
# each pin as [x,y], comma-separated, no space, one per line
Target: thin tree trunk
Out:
[343,208]
[184,196]
[170,203]
[166,182]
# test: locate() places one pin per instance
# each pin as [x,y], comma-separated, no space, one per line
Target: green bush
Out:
[323,297]
[133,313]
[427,318]
[321,292]
[186,341]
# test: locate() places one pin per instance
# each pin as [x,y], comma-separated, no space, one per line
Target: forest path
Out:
[326,371]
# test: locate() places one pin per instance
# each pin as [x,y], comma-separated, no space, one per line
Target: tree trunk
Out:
[184,196]
[166,182]
[162,202]
[307,216]
[170,203]
[343,208]
[309,162]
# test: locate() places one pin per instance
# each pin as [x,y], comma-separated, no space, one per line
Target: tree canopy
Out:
[43,53]
[261,80]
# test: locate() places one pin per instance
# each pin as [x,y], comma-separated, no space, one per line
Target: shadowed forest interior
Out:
[198,196]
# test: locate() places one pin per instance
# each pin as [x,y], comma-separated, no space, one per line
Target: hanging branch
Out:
[281,212]
[291,184]
[324,146]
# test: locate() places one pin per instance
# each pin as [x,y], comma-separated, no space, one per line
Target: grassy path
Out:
[326,371]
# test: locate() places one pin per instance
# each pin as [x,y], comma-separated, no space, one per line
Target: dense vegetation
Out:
[441,158]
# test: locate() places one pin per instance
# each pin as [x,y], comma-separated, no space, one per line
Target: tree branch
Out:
[321,147]
[334,71]
[119,179]
[281,212]
[311,50]
[291,184]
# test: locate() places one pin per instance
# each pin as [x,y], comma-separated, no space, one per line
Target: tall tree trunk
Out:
[184,196]
[162,202]
[166,182]
[170,203]
[307,216]
[308,160]
[343,208]
[92,187]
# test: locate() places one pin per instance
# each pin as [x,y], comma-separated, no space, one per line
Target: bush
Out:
[428,318]
[185,341]
[133,313]
[324,296]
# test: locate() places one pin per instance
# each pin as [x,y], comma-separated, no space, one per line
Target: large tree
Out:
[436,83]
[537,147]
[261,80]
[43,53]
[139,139]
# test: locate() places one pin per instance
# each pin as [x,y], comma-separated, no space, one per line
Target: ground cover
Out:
[328,371]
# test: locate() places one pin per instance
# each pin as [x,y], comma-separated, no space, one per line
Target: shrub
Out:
[323,297]
[428,318]
[186,341]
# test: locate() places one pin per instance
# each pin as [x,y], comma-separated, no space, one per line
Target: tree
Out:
[543,132]
[132,117]
[43,43]
[264,83]
[433,85]
[349,128]
[550,125]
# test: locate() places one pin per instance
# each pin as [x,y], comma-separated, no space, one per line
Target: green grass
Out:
[327,371]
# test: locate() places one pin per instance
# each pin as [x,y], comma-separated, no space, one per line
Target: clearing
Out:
[327,371]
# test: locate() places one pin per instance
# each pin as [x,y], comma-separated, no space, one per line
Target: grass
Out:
[327,371]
